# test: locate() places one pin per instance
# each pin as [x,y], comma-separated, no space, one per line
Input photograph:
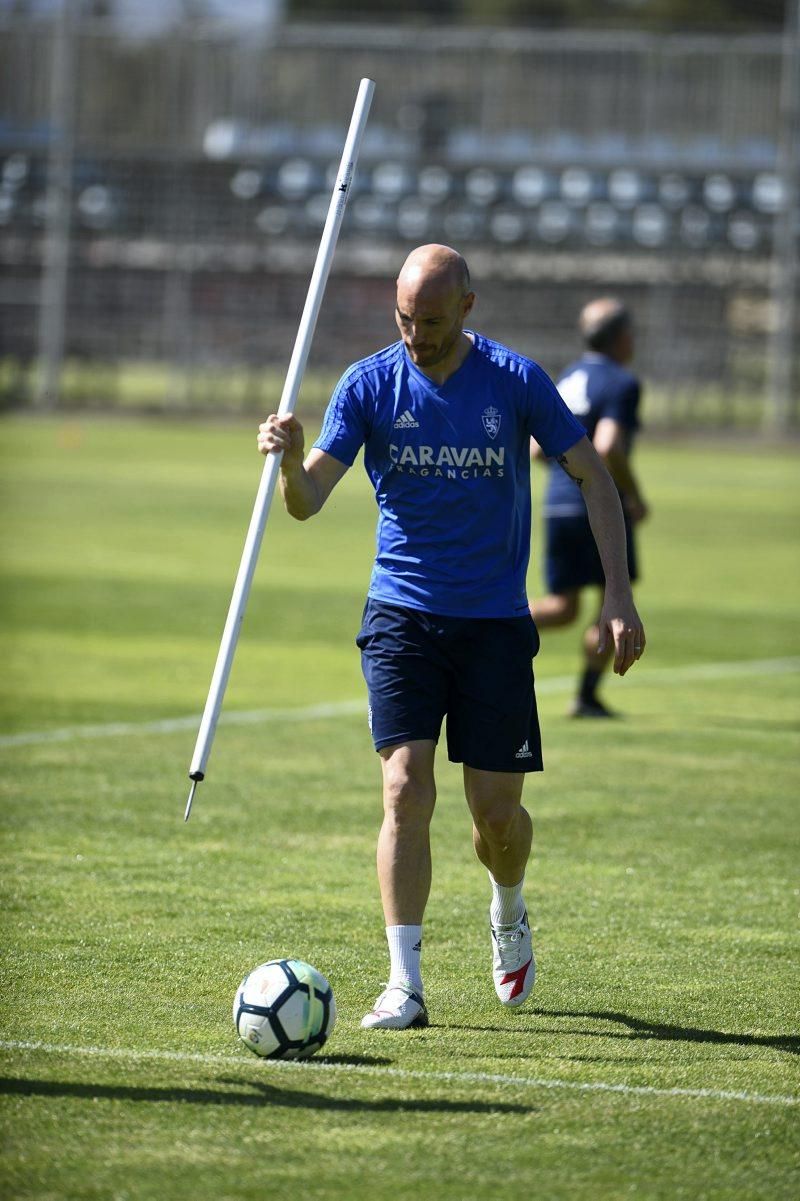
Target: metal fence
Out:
[161,201]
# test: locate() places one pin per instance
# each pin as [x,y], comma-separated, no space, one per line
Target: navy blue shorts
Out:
[572,560]
[476,671]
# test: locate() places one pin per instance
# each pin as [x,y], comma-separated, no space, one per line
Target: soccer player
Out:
[604,396]
[445,416]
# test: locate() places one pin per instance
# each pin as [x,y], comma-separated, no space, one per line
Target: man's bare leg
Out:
[556,609]
[404,849]
[561,609]
[404,876]
[502,835]
[501,827]
[588,703]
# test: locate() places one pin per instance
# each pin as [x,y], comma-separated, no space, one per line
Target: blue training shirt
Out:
[592,388]
[450,466]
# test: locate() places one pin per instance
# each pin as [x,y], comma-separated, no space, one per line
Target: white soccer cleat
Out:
[398,1008]
[513,964]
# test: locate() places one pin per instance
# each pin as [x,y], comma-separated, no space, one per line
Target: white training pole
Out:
[269,476]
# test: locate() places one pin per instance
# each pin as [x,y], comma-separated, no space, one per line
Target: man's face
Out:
[431,320]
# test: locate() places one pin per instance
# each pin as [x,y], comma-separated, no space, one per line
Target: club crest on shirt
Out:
[491,421]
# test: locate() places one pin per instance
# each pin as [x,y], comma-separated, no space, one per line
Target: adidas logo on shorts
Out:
[406,421]
[524,751]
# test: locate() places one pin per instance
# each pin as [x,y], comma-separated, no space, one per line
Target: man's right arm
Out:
[305,486]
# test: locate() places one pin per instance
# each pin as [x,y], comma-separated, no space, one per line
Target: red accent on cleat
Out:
[518,979]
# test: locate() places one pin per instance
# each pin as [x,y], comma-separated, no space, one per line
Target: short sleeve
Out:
[551,423]
[345,428]
[622,404]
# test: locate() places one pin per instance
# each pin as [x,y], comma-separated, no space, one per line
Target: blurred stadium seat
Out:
[391,180]
[482,186]
[578,186]
[507,225]
[414,220]
[768,193]
[674,190]
[602,225]
[297,178]
[434,183]
[533,185]
[462,224]
[247,183]
[719,192]
[555,222]
[744,232]
[274,220]
[696,227]
[650,225]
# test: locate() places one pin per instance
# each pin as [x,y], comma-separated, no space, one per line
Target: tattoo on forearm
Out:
[562,459]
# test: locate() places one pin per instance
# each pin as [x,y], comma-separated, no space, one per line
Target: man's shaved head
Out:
[602,321]
[434,266]
[433,300]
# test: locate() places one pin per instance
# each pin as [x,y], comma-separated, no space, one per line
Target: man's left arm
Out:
[611,440]
[618,616]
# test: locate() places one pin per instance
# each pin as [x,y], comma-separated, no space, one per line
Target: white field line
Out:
[169,725]
[555,684]
[636,1090]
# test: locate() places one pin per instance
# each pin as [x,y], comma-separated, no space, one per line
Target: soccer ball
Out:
[284,1009]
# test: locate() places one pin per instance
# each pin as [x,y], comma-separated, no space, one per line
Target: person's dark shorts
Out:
[478,672]
[572,560]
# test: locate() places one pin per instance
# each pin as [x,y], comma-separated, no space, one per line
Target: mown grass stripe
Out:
[639,1090]
[556,684]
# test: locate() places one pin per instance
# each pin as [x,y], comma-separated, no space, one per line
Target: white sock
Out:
[507,904]
[405,948]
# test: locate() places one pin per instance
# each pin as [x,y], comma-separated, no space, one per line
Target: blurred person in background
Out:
[604,396]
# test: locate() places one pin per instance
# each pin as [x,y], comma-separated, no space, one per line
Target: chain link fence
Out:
[161,201]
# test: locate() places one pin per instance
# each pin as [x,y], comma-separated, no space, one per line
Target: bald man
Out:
[604,396]
[444,416]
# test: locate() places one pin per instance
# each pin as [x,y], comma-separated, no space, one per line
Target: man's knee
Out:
[409,791]
[495,802]
[557,609]
[497,823]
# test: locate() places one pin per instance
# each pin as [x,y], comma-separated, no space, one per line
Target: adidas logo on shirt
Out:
[524,751]
[406,421]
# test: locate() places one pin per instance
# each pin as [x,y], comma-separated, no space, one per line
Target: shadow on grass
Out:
[375,1061]
[639,1028]
[258,1095]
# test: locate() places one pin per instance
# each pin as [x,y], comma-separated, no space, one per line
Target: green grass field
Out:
[658,1057]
